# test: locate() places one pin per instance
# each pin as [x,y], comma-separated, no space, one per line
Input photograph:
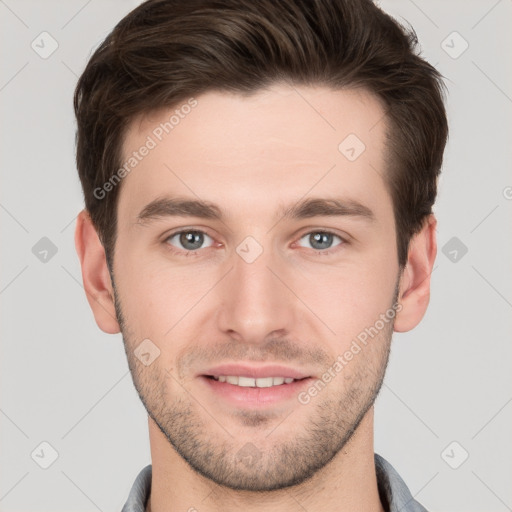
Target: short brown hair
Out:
[165,51]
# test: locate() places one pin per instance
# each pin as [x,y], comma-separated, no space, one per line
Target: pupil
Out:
[192,237]
[321,240]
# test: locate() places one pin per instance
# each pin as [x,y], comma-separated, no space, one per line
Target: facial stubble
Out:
[202,437]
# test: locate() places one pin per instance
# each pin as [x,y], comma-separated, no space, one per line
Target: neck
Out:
[347,483]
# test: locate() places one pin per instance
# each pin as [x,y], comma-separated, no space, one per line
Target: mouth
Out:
[245,385]
[250,393]
[251,382]
[239,372]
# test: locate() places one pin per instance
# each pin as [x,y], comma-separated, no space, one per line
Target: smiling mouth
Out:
[249,392]
[250,382]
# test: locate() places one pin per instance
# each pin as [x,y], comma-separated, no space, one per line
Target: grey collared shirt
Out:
[394,494]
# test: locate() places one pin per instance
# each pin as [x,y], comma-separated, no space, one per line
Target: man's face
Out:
[254,287]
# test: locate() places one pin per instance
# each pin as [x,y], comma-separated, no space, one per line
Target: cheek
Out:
[156,300]
[350,300]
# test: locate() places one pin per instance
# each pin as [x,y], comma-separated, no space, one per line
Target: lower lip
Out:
[255,397]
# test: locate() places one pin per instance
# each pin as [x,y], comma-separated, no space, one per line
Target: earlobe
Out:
[414,294]
[95,274]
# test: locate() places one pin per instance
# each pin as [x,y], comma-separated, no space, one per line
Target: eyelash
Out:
[173,250]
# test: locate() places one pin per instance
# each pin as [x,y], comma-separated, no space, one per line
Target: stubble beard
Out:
[257,463]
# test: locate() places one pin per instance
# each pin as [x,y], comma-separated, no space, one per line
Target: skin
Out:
[299,303]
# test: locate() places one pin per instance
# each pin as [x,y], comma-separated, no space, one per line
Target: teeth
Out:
[249,382]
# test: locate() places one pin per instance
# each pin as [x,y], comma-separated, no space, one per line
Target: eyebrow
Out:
[304,209]
[319,207]
[175,207]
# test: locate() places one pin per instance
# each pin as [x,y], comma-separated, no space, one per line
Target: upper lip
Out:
[256,372]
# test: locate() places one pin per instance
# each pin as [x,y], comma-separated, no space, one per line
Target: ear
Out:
[414,292]
[95,274]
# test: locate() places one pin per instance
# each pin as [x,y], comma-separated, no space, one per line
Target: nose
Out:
[256,299]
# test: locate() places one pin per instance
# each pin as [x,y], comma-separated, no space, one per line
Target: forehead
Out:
[266,147]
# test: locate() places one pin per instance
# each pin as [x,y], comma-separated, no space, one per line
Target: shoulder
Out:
[394,493]
[139,492]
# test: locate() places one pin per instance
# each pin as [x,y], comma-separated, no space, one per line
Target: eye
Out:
[320,240]
[189,240]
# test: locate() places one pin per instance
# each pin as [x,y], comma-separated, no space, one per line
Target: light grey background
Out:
[66,383]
